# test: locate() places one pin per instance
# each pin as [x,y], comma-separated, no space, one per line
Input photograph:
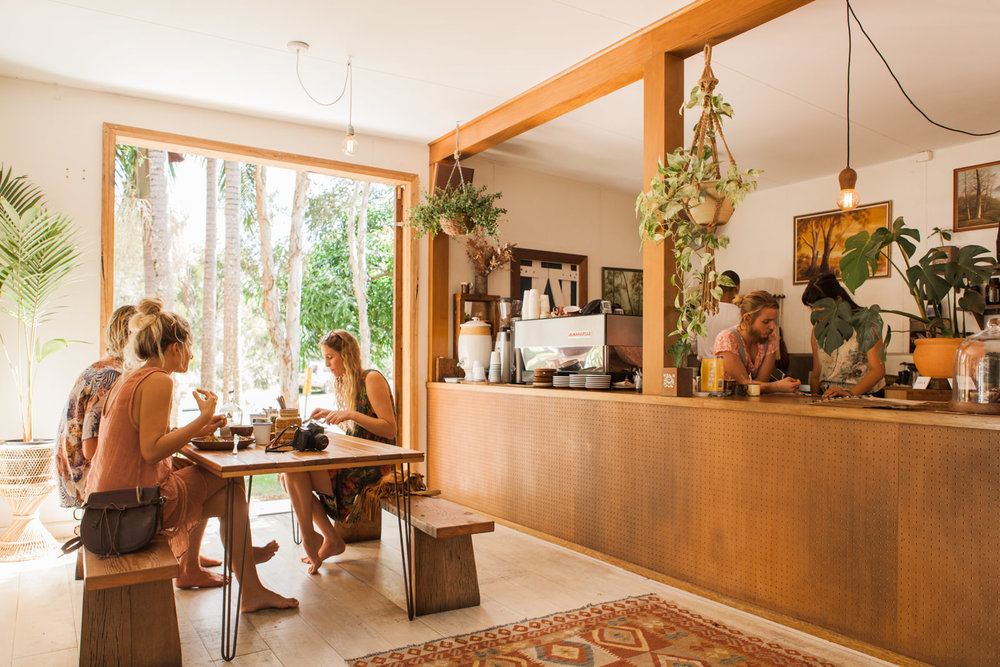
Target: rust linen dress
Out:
[118,464]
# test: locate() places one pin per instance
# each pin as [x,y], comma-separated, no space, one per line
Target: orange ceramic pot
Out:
[935,357]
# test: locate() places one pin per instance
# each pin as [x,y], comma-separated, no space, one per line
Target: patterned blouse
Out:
[365,408]
[845,367]
[79,422]
[730,340]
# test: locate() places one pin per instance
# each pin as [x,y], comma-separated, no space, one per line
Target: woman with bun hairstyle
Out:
[366,411]
[136,446]
[748,349]
[846,371]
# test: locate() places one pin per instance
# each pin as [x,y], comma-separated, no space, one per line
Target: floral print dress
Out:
[349,482]
[80,421]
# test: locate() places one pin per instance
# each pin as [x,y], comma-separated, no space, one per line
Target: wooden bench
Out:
[444,565]
[129,616]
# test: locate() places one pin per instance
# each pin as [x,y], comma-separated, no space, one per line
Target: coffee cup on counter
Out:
[752,390]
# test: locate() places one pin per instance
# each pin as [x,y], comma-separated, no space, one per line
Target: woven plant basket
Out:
[454,226]
[27,476]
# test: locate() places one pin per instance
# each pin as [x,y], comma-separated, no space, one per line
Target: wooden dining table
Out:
[342,452]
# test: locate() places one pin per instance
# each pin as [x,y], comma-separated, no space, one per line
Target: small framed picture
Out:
[819,239]
[977,197]
[624,287]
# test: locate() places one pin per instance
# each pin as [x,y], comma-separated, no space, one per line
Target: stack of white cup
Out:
[478,372]
[532,305]
[494,366]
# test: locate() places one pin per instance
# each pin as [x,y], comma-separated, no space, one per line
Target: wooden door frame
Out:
[404,281]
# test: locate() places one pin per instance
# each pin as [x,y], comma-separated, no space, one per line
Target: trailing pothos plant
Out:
[690,180]
[943,286]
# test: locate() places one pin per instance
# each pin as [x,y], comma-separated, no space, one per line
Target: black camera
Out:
[310,438]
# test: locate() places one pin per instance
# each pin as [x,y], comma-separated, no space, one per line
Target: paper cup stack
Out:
[494,366]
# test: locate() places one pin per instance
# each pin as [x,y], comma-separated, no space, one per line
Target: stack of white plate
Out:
[561,381]
[598,382]
[578,381]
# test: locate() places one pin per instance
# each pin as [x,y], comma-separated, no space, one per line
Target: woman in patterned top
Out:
[77,433]
[366,411]
[847,371]
[748,349]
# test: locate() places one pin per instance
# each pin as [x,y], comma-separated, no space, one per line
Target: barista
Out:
[748,349]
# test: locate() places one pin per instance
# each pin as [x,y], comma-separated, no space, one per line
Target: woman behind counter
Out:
[366,411]
[845,372]
[748,349]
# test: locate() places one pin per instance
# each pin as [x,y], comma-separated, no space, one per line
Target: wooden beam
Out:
[683,33]
[663,130]
[438,307]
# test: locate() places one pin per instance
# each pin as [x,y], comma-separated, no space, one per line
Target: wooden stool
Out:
[129,616]
[444,565]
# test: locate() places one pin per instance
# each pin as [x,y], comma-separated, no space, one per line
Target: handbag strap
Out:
[71,545]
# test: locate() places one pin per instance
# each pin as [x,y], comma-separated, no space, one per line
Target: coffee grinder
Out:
[505,344]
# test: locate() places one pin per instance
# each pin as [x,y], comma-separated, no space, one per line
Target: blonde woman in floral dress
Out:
[366,411]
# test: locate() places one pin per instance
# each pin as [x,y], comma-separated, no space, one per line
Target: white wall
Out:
[761,229]
[546,212]
[53,134]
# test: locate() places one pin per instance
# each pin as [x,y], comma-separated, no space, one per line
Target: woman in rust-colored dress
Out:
[366,411]
[136,446]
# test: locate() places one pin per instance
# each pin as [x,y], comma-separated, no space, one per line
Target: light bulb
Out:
[350,144]
[848,197]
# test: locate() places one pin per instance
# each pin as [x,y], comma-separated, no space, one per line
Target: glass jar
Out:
[976,380]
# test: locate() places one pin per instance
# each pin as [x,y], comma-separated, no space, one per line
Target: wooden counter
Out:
[880,525]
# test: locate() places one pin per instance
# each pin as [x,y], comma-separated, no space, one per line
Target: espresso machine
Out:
[505,343]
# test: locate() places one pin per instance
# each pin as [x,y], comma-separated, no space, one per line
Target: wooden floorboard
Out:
[354,606]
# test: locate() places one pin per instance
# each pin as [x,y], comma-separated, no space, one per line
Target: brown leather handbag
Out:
[119,521]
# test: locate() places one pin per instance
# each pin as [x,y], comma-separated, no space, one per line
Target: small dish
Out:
[213,444]
[452,380]
[241,430]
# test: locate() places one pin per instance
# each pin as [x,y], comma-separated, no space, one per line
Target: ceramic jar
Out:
[475,343]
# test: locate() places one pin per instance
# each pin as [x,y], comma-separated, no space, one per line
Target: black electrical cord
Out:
[850,11]
[849,83]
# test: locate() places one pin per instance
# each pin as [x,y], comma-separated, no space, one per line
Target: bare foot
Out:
[199,579]
[265,553]
[266,600]
[205,561]
[327,549]
[312,542]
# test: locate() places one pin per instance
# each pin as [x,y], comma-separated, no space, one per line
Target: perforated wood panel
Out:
[798,514]
[949,558]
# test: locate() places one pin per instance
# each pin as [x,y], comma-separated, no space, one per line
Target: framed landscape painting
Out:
[977,197]
[624,287]
[819,239]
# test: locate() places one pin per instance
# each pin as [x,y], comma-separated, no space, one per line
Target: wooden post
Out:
[663,131]
[438,291]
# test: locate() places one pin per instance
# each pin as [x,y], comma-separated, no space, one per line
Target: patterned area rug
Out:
[643,631]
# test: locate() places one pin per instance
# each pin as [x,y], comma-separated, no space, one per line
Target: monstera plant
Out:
[38,255]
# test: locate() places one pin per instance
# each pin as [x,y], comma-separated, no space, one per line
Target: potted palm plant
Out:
[38,255]
[692,196]
[943,283]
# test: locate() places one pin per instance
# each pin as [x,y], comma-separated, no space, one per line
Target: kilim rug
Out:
[643,631]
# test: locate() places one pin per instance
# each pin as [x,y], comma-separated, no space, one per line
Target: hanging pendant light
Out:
[848,197]
[350,143]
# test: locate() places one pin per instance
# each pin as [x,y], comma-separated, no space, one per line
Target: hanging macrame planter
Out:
[456,226]
[716,209]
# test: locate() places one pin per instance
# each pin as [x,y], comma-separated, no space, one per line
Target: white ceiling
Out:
[421,66]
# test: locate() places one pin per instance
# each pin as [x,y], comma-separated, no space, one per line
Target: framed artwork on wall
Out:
[819,239]
[560,275]
[977,197]
[624,287]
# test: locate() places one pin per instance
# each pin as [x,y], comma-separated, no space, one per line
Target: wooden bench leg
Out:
[79,564]
[360,531]
[444,572]
[130,625]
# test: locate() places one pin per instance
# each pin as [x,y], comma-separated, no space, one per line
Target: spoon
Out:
[236,443]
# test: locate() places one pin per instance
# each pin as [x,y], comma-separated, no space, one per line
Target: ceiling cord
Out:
[849,45]
[347,75]
[850,10]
